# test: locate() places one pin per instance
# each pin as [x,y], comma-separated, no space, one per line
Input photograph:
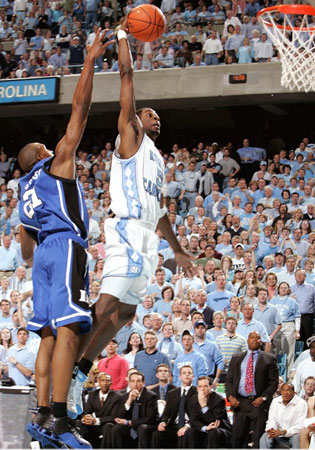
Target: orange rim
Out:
[288,9]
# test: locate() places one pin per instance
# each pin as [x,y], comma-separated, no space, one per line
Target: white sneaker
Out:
[71,408]
[80,379]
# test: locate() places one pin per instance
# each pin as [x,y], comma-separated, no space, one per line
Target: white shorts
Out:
[131,259]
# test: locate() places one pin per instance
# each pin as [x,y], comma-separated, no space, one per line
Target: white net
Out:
[294,39]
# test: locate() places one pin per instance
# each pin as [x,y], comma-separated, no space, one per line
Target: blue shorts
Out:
[60,285]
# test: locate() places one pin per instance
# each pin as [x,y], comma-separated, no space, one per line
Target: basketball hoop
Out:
[295,43]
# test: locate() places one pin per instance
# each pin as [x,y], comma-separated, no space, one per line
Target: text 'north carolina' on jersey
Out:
[50,204]
[136,184]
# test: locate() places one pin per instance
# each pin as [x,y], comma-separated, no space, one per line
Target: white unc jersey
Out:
[136,184]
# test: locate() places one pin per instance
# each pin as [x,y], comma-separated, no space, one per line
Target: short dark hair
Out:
[23,329]
[138,374]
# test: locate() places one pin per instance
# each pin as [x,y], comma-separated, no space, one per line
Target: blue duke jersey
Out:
[53,212]
[50,204]
[136,184]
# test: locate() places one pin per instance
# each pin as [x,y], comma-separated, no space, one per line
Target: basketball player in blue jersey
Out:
[137,177]
[53,213]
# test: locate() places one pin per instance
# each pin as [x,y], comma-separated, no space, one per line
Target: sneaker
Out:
[66,435]
[71,408]
[39,427]
[80,379]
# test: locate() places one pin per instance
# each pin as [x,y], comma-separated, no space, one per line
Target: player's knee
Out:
[126,312]
[105,306]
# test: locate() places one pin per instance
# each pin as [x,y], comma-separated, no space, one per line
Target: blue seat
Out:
[299,345]
[282,365]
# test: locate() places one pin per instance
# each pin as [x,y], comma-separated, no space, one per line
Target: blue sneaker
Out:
[80,379]
[71,408]
[66,436]
[39,429]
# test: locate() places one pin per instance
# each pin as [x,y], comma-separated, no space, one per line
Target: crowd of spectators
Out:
[46,38]
[248,222]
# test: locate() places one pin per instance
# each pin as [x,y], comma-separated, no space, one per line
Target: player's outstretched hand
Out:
[184,261]
[98,47]
[124,25]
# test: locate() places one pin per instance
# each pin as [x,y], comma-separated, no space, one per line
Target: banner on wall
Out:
[29,90]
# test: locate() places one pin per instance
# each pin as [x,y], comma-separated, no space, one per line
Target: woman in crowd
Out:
[184,243]
[249,278]
[6,342]
[305,228]
[250,295]
[278,227]
[164,306]
[235,308]
[134,345]
[226,265]
[271,284]
[144,308]
[296,220]
[237,279]
[309,271]
[98,270]
[245,53]
[245,238]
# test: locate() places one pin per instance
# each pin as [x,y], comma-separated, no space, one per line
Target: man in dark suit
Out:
[163,374]
[210,426]
[174,420]
[101,408]
[251,381]
[137,411]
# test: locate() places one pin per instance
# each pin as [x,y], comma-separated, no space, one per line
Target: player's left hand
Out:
[183,261]
[124,25]
[98,48]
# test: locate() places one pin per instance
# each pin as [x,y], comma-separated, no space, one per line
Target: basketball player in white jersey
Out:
[137,177]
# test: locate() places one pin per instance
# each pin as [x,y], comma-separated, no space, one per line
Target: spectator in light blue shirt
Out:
[21,361]
[219,299]
[37,41]
[190,357]
[164,306]
[235,41]
[305,297]
[8,257]
[209,349]
[267,314]
[249,324]
[252,8]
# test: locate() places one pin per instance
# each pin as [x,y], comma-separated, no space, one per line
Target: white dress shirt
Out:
[288,417]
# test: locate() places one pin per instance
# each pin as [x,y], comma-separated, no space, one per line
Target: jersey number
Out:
[31,202]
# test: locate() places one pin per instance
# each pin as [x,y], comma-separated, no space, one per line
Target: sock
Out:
[75,370]
[59,409]
[44,410]
[85,365]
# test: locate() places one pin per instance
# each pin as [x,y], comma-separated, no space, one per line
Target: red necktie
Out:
[249,379]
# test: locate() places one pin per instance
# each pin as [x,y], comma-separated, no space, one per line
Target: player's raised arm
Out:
[64,163]
[129,126]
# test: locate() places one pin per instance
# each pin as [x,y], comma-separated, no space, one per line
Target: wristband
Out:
[121,34]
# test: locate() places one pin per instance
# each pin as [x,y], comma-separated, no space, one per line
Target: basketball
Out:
[146,22]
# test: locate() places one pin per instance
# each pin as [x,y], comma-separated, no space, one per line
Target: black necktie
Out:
[181,410]
[134,416]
